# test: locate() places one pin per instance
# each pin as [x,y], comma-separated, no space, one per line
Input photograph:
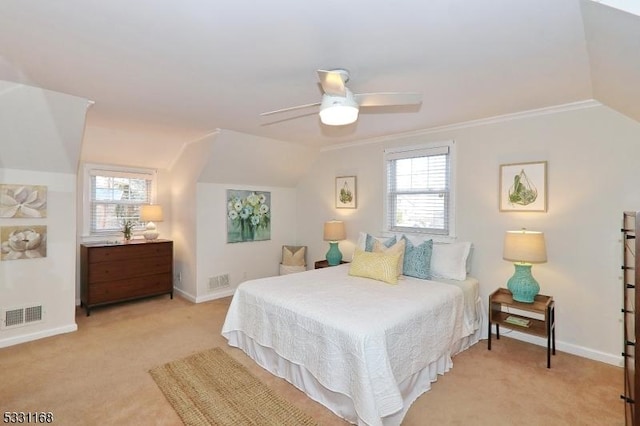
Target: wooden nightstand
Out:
[324,264]
[542,320]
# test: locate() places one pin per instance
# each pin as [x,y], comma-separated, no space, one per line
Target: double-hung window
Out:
[115,196]
[419,189]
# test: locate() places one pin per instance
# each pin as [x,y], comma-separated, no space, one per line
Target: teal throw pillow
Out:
[417,259]
[371,239]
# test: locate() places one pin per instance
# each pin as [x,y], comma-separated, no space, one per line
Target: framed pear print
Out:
[523,187]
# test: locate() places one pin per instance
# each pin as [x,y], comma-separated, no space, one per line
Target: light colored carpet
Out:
[210,388]
[99,375]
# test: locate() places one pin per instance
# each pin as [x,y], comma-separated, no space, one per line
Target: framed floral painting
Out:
[23,201]
[523,187]
[248,216]
[23,242]
[346,195]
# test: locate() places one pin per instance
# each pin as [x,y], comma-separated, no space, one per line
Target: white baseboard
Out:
[566,347]
[199,299]
[184,295]
[217,295]
[10,341]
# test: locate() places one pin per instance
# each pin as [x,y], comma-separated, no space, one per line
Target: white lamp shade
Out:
[334,230]
[338,110]
[525,247]
[151,213]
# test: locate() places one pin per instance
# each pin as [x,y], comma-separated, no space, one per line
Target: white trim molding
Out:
[573,106]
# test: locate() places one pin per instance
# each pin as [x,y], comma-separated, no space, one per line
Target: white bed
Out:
[363,348]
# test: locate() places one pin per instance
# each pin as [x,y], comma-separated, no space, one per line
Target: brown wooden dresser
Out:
[112,273]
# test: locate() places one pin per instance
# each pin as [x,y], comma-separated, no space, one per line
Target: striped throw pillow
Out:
[378,266]
[397,248]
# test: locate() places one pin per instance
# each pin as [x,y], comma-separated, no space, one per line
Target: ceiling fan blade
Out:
[333,81]
[289,109]
[387,98]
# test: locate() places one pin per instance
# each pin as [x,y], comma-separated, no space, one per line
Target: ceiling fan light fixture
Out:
[339,115]
[338,110]
[340,106]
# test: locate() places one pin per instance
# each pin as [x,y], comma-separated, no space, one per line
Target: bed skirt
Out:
[340,404]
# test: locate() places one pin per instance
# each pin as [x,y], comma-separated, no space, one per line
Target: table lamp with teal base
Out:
[524,248]
[334,232]
[522,285]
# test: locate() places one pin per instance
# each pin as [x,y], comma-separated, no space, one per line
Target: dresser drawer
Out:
[129,251]
[130,288]
[121,269]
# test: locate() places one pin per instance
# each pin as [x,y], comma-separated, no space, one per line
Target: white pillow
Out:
[362,240]
[417,239]
[450,260]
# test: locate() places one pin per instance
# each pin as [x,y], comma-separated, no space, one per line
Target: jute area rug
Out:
[211,388]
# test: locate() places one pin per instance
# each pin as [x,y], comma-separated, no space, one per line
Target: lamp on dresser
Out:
[151,213]
[333,232]
[524,248]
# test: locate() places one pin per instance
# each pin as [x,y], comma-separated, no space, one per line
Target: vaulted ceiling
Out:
[186,68]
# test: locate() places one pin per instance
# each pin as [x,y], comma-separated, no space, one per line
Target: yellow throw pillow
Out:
[378,266]
[291,258]
[397,248]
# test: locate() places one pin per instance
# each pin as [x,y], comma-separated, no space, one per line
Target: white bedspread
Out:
[356,336]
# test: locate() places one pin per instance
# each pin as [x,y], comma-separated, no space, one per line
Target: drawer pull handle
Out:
[627,399]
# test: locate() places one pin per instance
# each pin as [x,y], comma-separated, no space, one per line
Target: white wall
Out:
[246,260]
[198,191]
[136,145]
[47,281]
[184,177]
[593,177]
[40,129]
[251,160]
[40,139]
[612,42]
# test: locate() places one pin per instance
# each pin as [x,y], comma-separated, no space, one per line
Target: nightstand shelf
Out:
[324,264]
[540,316]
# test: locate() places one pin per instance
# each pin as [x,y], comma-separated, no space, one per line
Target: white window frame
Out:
[110,170]
[417,151]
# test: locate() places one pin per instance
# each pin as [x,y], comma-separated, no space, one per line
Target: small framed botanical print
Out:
[346,192]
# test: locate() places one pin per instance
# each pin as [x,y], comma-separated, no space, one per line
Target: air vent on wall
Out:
[17,317]
[219,281]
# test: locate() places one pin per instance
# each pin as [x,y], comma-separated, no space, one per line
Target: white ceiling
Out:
[189,67]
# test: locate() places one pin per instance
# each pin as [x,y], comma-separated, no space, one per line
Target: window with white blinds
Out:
[115,197]
[418,190]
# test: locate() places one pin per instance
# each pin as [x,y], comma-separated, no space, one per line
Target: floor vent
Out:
[219,281]
[17,317]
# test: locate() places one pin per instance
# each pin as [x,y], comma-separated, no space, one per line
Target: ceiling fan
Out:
[339,106]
